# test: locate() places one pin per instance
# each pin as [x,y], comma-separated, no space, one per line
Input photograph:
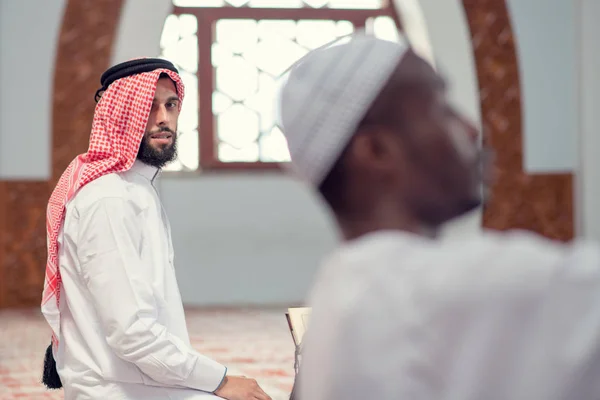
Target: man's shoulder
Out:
[493,269]
[512,264]
[109,186]
[485,263]
[526,244]
[359,266]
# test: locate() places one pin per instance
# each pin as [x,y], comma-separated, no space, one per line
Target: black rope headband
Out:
[129,68]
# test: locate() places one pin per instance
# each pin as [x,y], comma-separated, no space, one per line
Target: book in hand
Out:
[297,318]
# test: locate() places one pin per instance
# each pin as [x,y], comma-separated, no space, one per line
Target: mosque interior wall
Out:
[255,237]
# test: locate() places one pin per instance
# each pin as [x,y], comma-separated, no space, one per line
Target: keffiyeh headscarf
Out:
[119,125]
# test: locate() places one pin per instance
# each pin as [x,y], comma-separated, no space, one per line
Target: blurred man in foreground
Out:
[397,313]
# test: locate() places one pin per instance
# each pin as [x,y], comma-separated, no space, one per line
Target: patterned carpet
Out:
[254,343]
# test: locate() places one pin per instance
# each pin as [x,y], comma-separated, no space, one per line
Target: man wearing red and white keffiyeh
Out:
[110,295]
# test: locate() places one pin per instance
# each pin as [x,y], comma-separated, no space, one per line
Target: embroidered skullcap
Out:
[132,67]
[326,95]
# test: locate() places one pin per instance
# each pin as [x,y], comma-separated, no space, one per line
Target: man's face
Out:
[158,146]
[446,163]
[429,160]
[445,154]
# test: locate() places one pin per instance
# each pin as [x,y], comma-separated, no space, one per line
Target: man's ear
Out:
[377,148]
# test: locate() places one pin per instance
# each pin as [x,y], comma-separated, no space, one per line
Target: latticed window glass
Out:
[231,55]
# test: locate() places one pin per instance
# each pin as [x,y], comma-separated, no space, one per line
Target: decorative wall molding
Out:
[540,203]
[83,53]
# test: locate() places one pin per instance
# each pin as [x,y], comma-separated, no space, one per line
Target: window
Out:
[231,55]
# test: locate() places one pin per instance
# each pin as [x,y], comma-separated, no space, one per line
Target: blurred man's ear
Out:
[377,148]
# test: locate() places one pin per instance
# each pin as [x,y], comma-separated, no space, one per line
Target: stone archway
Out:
[83,53]
[541,203]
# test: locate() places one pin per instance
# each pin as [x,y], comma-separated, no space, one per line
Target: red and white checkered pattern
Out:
[118,127]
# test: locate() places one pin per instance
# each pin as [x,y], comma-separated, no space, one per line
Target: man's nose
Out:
[474,133]
[471,130]
[162,116]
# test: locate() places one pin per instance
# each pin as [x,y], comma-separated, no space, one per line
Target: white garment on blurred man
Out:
[399,316]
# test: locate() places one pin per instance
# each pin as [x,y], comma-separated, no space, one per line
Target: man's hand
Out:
[240,388]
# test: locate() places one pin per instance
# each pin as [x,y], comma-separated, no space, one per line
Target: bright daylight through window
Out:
[231,55]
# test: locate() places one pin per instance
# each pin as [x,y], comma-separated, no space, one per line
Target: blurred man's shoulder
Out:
[525,243]
[488,260]
[512,262]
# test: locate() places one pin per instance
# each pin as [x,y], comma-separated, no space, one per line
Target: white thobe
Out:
[123,333]
[496,317]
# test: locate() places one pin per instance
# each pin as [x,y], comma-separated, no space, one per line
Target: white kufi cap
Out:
[325,97]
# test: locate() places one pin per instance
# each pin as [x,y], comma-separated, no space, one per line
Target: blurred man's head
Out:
[369,125]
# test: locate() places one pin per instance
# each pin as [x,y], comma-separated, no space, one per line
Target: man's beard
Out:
[157,157]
